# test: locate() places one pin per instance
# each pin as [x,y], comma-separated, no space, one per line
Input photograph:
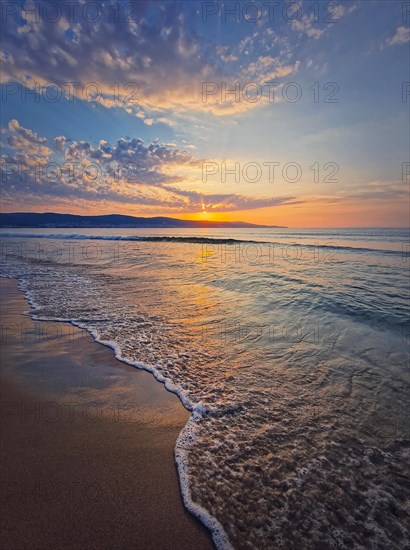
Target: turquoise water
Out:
[290,347]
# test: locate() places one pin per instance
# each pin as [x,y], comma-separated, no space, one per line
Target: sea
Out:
[290,347]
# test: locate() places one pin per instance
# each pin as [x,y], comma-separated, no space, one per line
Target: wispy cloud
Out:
[402,36]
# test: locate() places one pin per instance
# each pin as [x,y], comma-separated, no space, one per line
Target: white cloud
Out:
[402,36]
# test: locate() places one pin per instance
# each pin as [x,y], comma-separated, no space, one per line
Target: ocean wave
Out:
[201,240]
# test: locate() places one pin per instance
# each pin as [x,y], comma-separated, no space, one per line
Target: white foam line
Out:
[185,439]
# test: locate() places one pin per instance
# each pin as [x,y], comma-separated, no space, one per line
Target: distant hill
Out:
[50,219]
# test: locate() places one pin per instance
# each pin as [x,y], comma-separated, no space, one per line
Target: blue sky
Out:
[337,72]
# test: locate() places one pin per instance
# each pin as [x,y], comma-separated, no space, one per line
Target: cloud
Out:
[26,142]
[128,173]
[59,142]
[152,156]
[304,25]
[24,134]
[378,190]
[148,66]
[402,36]
[308,24]
[225,55]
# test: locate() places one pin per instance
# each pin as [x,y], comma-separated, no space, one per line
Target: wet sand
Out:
[87,444]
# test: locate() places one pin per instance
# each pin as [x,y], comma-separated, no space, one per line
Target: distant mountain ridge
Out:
[51,219]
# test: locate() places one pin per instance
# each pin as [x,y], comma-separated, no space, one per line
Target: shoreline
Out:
[184,438]
[88,443]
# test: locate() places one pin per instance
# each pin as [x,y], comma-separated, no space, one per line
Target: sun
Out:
[203,215]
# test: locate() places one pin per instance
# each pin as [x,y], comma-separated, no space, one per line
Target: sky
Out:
[271,112]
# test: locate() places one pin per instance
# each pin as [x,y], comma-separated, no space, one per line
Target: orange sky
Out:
[308,214]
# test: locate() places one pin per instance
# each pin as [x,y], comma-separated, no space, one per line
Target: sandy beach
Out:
[87,444]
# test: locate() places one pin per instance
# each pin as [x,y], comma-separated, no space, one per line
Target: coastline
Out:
[88,443]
